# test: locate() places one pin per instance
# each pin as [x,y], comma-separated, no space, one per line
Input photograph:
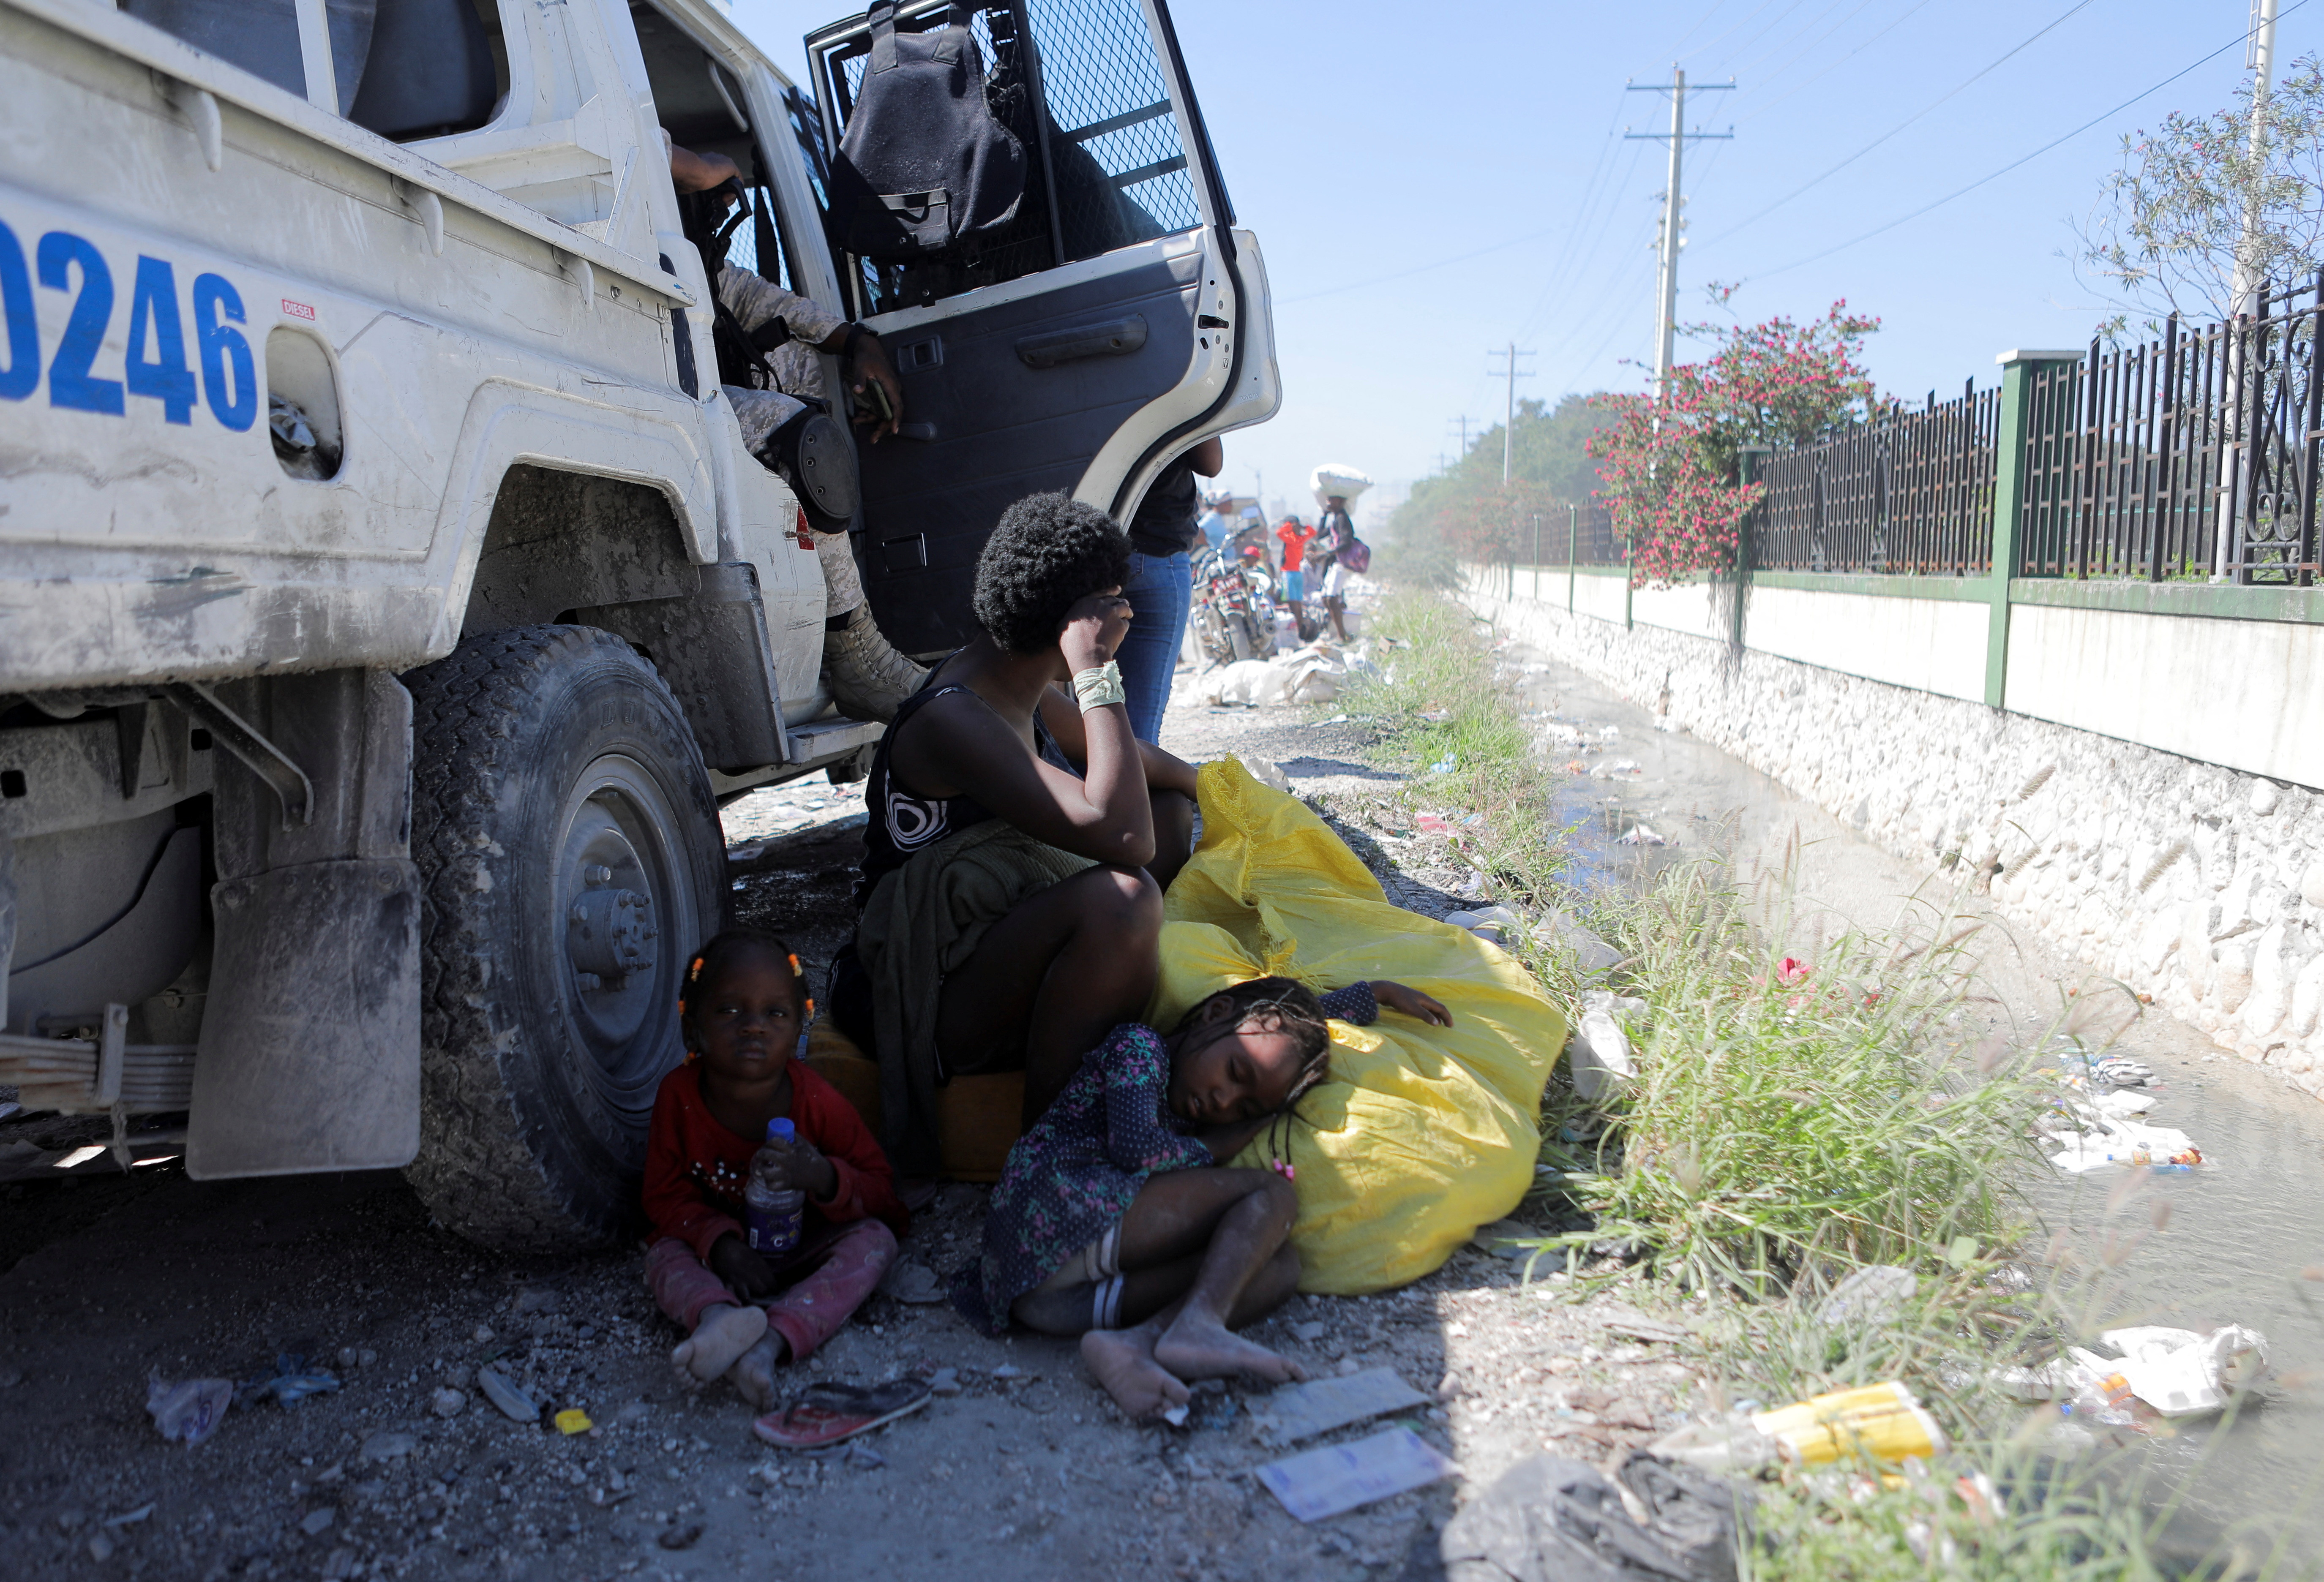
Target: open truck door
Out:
[1118,320]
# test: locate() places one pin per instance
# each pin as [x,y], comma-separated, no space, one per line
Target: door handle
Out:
[1116,337]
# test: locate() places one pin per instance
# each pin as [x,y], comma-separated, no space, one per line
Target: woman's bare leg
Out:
[1065,968]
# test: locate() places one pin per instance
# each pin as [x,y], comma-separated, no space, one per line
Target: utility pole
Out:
[1673,222]
[1463,422]
[1509,423]
[2244,289]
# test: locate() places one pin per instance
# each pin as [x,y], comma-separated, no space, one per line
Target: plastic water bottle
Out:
[773,1212]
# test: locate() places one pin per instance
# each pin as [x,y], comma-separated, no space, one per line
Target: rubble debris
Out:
[1548,1516]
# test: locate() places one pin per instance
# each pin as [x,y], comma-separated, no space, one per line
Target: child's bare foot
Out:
[1199,1347]
[753,1373]
[725,1332]
[1123,1362]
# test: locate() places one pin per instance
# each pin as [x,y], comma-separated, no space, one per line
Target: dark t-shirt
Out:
[1164,522]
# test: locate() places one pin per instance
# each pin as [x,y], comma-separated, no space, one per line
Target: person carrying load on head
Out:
[770,373]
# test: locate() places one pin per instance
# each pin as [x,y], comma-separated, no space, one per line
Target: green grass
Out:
[1792,1126]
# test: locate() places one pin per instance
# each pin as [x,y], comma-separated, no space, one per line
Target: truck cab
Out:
[387,598]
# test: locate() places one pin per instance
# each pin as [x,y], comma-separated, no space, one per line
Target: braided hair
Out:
[719,946]
[1301,1016]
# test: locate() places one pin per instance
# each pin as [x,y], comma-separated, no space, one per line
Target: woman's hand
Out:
[1419,1006]
[1093,629]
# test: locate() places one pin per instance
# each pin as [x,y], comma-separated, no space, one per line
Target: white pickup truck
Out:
[387,600]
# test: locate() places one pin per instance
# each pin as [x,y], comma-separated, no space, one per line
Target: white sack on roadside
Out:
[1598,1057]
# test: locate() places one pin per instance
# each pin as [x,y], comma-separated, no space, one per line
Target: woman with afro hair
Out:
[1019,835]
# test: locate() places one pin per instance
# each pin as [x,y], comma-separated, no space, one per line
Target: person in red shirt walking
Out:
[1295,536]
[745,1010]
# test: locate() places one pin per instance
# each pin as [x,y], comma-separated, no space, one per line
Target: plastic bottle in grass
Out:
[773,1212]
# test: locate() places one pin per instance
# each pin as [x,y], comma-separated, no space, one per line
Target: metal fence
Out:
[1588,533]
[2189,457]
[1910,491]
[2192,456]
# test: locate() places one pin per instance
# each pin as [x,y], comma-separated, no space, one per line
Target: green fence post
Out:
[2011,479]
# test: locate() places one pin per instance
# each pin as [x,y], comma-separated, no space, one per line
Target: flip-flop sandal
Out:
[827,1413]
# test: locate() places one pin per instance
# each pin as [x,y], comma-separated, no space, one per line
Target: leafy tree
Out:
[2169,226]
[1672,471]
[1467,513]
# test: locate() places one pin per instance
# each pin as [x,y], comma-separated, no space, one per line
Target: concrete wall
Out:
[2198,883]
[2247,694]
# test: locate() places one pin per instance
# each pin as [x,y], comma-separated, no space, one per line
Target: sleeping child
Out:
[744,1011]
[1115,1220]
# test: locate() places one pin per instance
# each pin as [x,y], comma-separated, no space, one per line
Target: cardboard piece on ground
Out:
[1317,1484]
[1303,1411]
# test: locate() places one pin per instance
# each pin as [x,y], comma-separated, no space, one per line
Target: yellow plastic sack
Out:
[1422,1134]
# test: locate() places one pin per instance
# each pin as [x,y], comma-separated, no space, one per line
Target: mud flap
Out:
[312,1063]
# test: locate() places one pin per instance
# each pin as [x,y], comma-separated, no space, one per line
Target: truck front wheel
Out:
[569,847]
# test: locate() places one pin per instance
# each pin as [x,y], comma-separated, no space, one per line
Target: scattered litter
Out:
[1494,923]
[573,1421]
[1591,955]
[1665,722]
[2121,1071]
[1610,733]
[1443,766]
[826,1413]
[1301,1412]
[1507,1238]
[1550,1517]
[908,1280]
[2126,1142]
[1310,1331]
[2123,1103]
[513,1403]
[1614,769]
[2177,1372]
[1317,1484]
[1336,720]
[291,1383]
[1640,835]
[945,1381]
[1869,1296]
[1884,1422]
[1429,823]
[130,1518]
[1597,1056]
[1266,772]
[190,1411]
[865,1457]
[386,1444]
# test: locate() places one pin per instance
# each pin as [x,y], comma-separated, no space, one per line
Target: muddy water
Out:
[2245,1229]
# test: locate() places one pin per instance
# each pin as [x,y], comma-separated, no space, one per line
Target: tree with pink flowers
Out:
[1672,471]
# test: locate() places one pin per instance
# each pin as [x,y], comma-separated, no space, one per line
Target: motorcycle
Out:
[1234,609]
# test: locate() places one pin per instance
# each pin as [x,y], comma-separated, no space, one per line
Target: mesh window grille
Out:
[1115,161]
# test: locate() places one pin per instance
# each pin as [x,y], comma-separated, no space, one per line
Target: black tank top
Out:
[898,820]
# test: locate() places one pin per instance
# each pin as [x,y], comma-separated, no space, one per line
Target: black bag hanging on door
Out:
[923,166]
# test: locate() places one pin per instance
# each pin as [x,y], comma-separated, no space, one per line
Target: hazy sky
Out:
[1367,144]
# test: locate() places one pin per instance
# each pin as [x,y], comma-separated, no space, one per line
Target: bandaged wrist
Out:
[1099,686]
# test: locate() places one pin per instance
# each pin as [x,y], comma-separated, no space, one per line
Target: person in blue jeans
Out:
[1159,586]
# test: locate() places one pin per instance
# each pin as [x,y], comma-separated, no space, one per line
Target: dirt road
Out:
[1025,1472]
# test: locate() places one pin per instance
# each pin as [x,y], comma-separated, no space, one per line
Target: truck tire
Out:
[571,862]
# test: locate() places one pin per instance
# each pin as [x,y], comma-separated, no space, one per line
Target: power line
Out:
[1916,115]
[2022,158]
[1794,90]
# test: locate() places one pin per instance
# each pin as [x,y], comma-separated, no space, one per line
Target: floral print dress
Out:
[1074,1174]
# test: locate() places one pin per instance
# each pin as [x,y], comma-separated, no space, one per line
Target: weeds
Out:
[1807,1107]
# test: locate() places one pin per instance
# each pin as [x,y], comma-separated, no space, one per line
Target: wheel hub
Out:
[609,932]
[616,891]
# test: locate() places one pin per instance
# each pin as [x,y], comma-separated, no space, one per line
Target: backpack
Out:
[1356,554]
[924,167]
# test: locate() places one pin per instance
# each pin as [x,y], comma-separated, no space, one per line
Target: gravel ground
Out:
[1021,1469]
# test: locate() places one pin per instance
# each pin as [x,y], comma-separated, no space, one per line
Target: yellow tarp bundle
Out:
[1422,1134]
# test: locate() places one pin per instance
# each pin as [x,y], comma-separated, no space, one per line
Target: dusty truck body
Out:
[387,600]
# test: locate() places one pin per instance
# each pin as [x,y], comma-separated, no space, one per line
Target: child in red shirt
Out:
[745,1011]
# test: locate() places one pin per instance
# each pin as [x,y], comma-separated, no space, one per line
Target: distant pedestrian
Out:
[1333,534]
[1295,536]
[1159,586]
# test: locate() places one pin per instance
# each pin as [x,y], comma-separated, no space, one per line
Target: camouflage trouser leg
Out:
[761,412]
